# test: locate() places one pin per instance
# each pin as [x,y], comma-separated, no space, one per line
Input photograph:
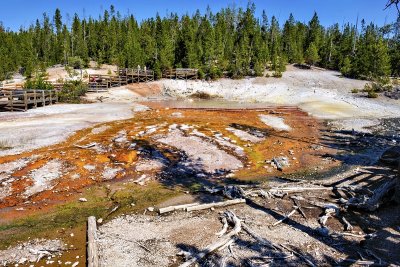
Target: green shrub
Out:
[200,74]
[75,62]
[72,92]
[372,94]
[277,74]
[354,91]
[38,83]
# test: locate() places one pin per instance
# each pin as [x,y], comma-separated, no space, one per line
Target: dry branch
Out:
[224,228]
[235,222]
[296,202]
[372,203]
[217,204]
[286,217]
[310,263]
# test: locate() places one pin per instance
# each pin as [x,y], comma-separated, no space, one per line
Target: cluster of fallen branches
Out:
[227,238]
[361,198]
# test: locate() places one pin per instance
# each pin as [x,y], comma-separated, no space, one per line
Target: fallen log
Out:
[217,204]
[177,207]
[372,203]
[298,189]
[92,252]
[235,222]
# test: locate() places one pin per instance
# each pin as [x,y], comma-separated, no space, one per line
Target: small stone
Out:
[212,208]
[323,231]
[75,263]
[133,204]
[151,209]
[100,220]
[82,199]
[22,260]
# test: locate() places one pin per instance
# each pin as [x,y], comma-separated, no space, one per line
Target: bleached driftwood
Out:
[372,203]
[286,217]
[92,252]
[298,189]
[177,207]
[296,202]
[217,204]
[224,228]
[86,146]
[348,226]
[235,222]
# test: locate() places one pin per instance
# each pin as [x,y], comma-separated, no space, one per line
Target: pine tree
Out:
[311,55]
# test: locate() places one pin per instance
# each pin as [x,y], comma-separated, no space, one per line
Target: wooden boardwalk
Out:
[181,74]
[101,83]
[22,100]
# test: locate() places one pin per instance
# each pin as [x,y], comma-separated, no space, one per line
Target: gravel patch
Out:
[139,240]
[30,252]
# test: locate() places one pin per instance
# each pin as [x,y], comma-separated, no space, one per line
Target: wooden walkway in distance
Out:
[22,100]
[181,74]
[101,83]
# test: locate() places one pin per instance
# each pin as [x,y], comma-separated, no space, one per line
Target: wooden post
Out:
[34,99]
[51,97]
[43,99]
[11,100]
[92,253]
[25,101]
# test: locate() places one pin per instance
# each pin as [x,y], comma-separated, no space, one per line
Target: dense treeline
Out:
[233,42]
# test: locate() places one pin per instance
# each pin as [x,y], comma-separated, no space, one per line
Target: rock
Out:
[323,231]
[82,199]
[100,220]
[75,264]
[391,156]
[151,209]
[22,260]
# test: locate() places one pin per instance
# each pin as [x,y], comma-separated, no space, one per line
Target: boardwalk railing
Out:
[22,100]
[101,83]
[180,73]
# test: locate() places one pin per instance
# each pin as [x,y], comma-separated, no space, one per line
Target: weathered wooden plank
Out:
[92,250]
